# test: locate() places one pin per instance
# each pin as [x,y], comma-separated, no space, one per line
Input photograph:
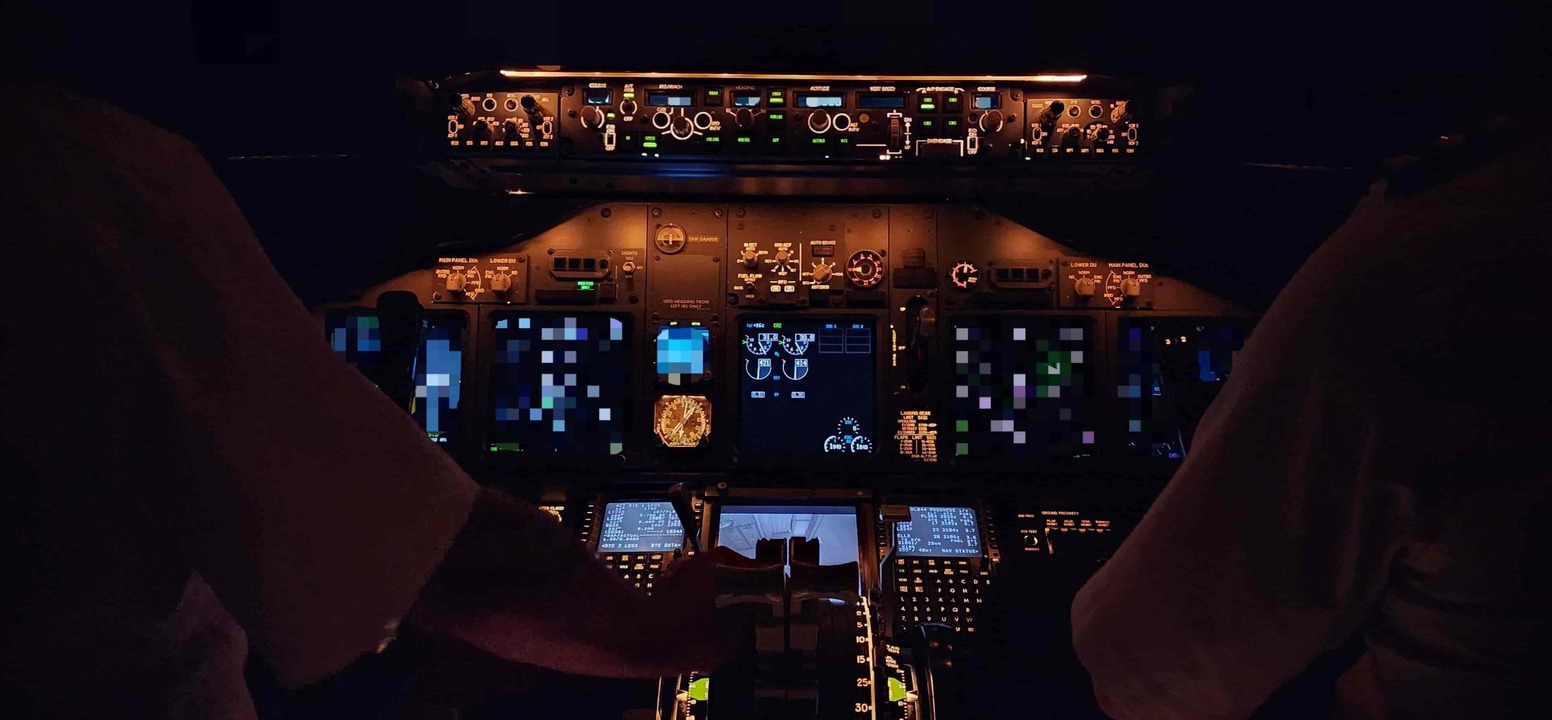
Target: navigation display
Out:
[1023,386]
[938,532]
[807,386]
[356,335]
[640,526]
[560,383]
[742,526]
[1169,369]
[682,352]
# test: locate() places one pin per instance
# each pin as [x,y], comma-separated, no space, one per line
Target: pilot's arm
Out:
[316,509]
[1273,539]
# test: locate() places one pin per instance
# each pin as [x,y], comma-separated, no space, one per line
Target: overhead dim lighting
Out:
[1059,78]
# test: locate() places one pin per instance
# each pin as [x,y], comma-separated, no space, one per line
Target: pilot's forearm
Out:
[516,585]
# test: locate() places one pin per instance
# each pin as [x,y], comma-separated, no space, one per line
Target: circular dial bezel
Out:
[682,421]
[853,265]
[972,274]
[665,241]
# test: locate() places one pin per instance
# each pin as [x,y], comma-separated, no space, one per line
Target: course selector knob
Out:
[592,118]
[991,121]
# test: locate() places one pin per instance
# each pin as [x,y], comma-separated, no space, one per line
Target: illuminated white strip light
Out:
[1069,79]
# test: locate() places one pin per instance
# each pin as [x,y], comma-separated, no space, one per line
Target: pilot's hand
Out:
[685,607]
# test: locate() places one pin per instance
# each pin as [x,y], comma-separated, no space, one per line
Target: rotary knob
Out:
[743,117]
[819,121]
[991,121]
[964,275]
[661,120]
[750,258]
[501,283]
[865,269]
[628,107]
[1084,286]
[1072,137]
[1131,287]
[479,130]
[822,272]
[1099,133]
[681,128]
[592,118]
[782,262]
[456,282]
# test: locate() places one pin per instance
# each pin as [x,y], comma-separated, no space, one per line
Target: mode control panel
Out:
[810,118]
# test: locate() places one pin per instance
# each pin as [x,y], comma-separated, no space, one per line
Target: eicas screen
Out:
[806,386]
[682,352]
[1023,386]
[640,526]
[1169,369]
[560,383]
[741,526]
[938,532]
[356,335]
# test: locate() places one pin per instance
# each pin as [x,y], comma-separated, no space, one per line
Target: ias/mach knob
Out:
[865,269]
[681,128]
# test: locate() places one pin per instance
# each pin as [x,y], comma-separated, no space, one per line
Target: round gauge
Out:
[682,421]
[865,269]
[964,274]
[848,438]
[670,238]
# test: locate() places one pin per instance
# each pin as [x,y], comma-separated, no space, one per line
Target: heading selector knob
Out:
[592,117]
[743,117]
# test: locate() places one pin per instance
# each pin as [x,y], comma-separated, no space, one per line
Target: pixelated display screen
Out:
[1169,369]
[682,352]
[356,336]
[741,526]
[640,526]
[938,532]
[807,386]
[1023,386]
[560,383]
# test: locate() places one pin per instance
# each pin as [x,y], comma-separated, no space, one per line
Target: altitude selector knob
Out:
[819,121]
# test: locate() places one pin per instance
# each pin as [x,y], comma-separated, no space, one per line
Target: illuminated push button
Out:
[456,282]
[841,121]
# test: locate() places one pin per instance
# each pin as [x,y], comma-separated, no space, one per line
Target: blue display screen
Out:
[875,102]
[806,386]
[682,352]
[640,526]
[743,99]
[669,99]
[560,383]
[987,102]
[1169,370]
[599,96]
[741,526]
[356,335]
[823,101]
[938,532]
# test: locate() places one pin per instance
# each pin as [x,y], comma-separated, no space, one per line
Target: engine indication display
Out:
[806,386]
[356,335]
[681,421]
